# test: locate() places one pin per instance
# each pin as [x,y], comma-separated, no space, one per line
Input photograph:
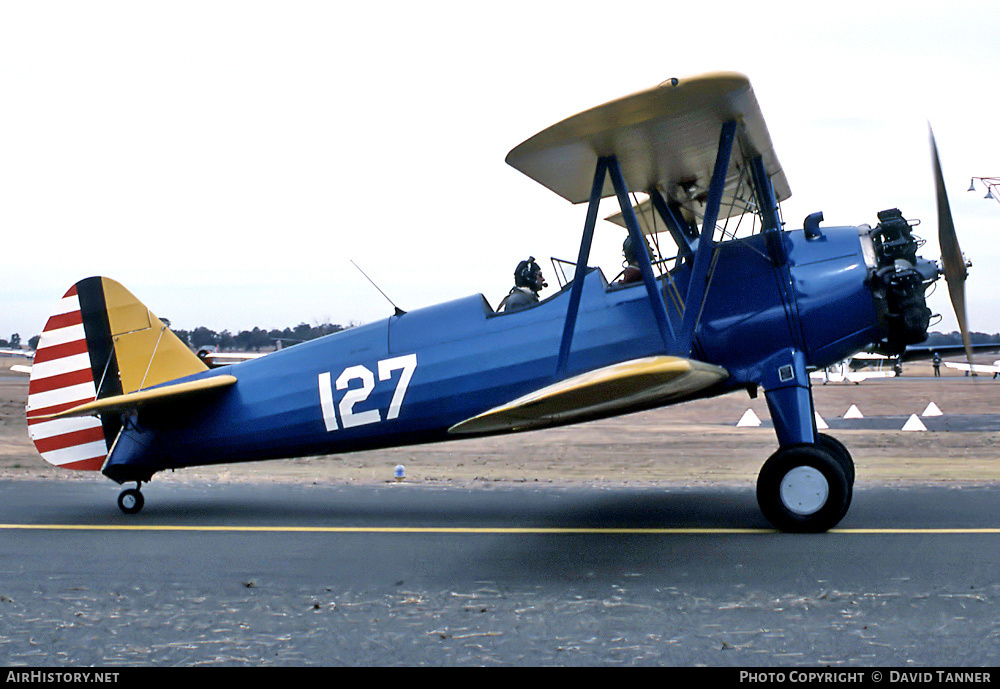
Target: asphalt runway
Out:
[284,574]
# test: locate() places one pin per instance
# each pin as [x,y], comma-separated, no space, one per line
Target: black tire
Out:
[803,489]
[130,500]
[840,452]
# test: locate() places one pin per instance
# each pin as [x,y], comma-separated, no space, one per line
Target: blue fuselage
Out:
[409,378]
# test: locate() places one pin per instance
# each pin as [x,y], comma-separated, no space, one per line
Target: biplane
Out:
[113,390]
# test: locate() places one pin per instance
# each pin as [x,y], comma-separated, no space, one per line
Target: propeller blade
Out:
[955,270]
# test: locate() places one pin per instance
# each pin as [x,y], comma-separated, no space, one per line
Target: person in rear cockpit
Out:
[528,282]
[632,272]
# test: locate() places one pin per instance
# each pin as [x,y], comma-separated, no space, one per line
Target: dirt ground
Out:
[696,443]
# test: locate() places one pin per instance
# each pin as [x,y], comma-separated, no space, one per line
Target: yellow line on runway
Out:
[880,532]
[380,529]
[482,530]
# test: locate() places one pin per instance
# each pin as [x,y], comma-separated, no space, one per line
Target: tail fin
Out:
[100,342]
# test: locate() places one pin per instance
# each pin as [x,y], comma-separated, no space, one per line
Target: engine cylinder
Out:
[899,282]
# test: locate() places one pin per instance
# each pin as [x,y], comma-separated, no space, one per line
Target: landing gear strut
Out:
[806,488]
[807,485]
[130,500]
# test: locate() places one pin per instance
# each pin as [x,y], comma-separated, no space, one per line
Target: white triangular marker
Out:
[748,419]
[853,413]
[820,423]
[932,410]
[914,424]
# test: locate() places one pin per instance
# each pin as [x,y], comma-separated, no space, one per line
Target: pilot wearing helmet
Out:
[528,282]
[632,273]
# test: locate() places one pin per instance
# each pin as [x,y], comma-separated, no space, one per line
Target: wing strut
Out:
[645,267]
[767,203]
[675,223]
[681,344]
[698,286]
[609,166]
[581,268]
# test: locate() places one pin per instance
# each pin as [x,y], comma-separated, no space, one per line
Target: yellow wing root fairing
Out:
[628,385]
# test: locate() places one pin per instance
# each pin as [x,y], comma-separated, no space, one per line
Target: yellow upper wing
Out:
[665,138]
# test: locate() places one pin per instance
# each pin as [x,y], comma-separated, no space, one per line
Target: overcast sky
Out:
[226,161]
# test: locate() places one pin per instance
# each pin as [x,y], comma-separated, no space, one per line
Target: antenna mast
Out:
[399,311]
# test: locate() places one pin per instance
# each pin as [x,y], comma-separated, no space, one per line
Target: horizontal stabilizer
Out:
[628,385]
[134,400]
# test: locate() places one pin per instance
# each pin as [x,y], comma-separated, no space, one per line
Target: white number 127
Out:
[350,418]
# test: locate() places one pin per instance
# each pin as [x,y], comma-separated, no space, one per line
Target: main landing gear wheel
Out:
[130,500]
[840,453]
[804,489]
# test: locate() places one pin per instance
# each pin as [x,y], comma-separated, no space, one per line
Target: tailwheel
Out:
[804,488]
[130,500]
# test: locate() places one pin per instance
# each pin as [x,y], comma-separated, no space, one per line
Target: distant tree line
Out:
[256,339]
[243,341]
[955,338]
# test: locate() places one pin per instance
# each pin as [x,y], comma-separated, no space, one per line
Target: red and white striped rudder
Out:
[61,378]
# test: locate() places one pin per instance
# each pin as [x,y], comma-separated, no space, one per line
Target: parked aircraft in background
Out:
[975,369]
[850,371]
[18,368]
[219,359]
[9,351]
